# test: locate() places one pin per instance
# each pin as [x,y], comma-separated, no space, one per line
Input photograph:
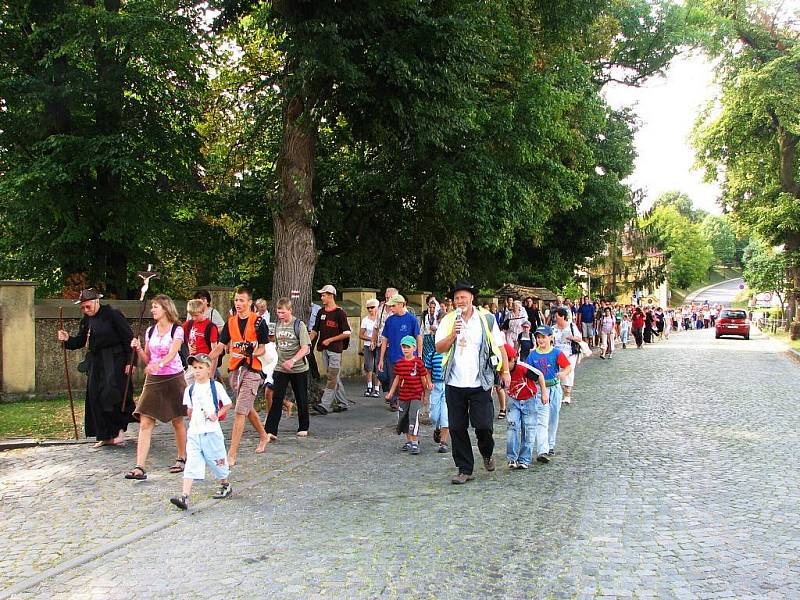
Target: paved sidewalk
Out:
[676,478]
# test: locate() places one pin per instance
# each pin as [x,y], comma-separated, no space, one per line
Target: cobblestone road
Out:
[676,478]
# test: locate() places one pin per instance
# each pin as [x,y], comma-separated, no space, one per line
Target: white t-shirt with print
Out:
[202,404]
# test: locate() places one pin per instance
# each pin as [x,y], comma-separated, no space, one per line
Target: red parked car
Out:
[732,321]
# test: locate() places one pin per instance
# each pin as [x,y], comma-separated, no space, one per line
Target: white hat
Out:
[327,289]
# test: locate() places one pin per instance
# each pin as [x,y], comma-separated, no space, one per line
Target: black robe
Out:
[109,336]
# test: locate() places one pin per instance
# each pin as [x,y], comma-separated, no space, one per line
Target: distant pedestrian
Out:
[637,326]
[368,324]
[607,330]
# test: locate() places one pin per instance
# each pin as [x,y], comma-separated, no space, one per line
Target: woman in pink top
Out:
[162,394]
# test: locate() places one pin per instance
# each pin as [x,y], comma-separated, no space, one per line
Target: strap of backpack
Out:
[214,395]
[191,390]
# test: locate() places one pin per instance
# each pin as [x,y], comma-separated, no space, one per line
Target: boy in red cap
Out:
[527,411]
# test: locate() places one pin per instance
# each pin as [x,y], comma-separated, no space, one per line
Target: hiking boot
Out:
[225,490]
[461,479]
[437,435]
[181,502]
[488,464]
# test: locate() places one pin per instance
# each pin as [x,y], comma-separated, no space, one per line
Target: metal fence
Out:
[772,325]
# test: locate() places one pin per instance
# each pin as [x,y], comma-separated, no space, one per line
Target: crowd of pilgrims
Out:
[268,355]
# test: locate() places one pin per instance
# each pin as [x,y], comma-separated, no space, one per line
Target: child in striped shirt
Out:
[410,378]
[438,406]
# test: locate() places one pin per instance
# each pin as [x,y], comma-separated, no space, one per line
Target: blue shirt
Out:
[587,313]
[547,363]
[433,362]
[395,329]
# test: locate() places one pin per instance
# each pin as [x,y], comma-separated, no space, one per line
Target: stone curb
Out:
[162,524]
[16,443]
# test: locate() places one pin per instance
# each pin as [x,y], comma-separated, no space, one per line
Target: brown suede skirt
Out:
[162,397]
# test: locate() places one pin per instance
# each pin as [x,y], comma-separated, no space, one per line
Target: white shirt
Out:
[269,360]
[202,403]
[368,325]
[465,372]
[559,338]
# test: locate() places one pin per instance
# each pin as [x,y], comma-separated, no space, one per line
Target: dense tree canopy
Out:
[361,143]
[748,139]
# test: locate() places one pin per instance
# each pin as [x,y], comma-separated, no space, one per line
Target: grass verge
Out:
[784,337]
[40,419]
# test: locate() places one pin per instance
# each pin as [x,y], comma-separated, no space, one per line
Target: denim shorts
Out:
[206,449]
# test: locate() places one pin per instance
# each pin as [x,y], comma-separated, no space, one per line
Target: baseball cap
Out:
[544,330]
[202,358]
[510,351]
[396,299]
[408,341]
[372,302]
[327,289]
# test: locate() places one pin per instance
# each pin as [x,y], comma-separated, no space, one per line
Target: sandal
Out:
[180,463]
[501,414]
[136,472]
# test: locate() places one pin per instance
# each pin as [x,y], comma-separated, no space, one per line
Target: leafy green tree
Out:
[469,137]
[689,255]
[765,269]
[98,145]
[749,139]
[720,235]
[682,203]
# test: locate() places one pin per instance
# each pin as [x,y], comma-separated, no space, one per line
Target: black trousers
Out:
[465,406]
[299,383]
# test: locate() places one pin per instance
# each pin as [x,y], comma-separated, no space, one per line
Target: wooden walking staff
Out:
[146,277]
[66,373]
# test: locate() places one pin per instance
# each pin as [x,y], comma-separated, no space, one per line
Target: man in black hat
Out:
[473,352]
[106,334]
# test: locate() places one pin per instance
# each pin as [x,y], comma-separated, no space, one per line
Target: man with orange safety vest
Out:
[244,337]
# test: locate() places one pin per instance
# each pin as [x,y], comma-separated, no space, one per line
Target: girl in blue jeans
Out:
[527,413]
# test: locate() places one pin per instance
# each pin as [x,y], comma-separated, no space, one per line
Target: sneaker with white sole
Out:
[522,466]
[414,449]
[512,464]
[406,447]
[225,490]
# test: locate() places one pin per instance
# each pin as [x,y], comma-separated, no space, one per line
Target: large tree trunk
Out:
[295,249]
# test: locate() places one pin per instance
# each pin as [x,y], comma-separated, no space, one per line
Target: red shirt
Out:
[522,388]
[200,335]
[638,320]
[412,378]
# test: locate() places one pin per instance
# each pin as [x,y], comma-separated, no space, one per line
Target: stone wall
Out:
[32,359]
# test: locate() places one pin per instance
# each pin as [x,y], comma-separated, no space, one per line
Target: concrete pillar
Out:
[18,337]
[359,296]
[415,299]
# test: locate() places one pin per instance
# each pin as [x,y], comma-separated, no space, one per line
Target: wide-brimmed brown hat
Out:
[88,294]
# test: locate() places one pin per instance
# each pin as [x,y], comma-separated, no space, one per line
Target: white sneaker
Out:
[566,400]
